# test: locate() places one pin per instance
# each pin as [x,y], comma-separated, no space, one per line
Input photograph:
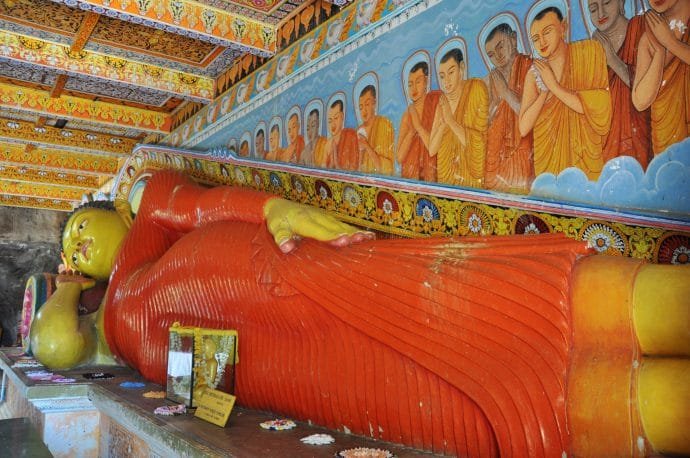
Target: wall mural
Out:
[501,97]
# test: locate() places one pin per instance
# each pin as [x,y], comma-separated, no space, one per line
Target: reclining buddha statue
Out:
[512,346]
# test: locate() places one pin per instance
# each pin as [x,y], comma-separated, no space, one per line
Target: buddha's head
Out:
[367,103]
[293,128]
[91,239]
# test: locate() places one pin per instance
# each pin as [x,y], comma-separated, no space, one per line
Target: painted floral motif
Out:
[674,249]
[603,238]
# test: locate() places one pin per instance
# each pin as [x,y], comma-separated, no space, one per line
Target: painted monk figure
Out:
[509,161]
[415,127]
[662,76]
[293,152]
[275,152]
[375,136]
[458,135]
[244,148]
[342,148]
[315,149]
[492,346]
[619,36]
[260,144]
[565,101]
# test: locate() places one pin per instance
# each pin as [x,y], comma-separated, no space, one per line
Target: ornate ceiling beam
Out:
[38,203]
[69,107]
[192,19]
[38,53]
[27,174]
[19,189]
[58,86]
[85,29]
[17,131]
[58,160]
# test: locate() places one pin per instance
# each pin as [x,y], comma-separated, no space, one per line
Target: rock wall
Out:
[29,243]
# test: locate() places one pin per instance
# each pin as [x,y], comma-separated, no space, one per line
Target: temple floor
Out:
[101,418]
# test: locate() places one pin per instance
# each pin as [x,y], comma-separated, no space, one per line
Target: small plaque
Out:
[215,407]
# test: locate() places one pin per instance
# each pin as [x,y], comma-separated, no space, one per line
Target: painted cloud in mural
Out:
[623,183]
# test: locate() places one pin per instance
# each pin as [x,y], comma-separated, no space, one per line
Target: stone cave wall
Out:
[29,244]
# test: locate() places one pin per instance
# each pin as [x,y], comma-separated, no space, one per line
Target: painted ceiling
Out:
[83,81]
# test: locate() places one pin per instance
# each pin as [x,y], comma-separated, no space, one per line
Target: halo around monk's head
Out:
[447,46]
[562,5]
[417,60]
[313,106]
[510,20]
[369,80]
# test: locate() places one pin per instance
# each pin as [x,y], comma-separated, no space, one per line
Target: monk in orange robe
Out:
[314,152]
[415,127]
[341,147]
[565,101]
[293,152]
[509,161]
[275,152]
[458,135]
[662,76]
[375,136]
[629,135]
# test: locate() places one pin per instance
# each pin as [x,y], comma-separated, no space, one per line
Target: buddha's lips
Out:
[603,20]
[84,247]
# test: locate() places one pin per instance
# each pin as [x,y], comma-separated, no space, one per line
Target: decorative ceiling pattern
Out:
[83,81]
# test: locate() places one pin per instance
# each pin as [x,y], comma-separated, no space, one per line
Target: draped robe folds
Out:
[464,165]
[418,164]
[670,118]
[345,153]
[564,138]
[509,163]
[460,347]
[380,138]
[630,131]
[319,153]
[293,152]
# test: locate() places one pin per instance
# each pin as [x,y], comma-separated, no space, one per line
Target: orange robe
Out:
[345,154]
[564,138]
[293,152]
[509,162]
[630,131]
[670,118]
[320,155]
[460,347]
[380,138]
[418,164]
[464,165]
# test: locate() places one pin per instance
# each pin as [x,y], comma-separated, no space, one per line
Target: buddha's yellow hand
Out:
[289,221]
[84,282]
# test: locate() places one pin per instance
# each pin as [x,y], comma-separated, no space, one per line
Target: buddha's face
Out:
[450,75]
[501,48]
[91,240]
[547,34]
[367,106]
[604,13]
